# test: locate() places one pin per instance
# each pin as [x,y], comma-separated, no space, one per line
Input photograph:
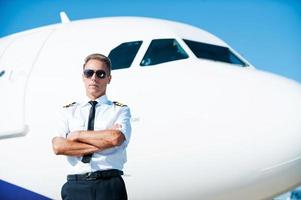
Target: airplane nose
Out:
[281,147]
[261,124]
[248,130]
[283,105]
[221,133]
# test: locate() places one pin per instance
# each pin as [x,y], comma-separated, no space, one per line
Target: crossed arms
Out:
[79,143]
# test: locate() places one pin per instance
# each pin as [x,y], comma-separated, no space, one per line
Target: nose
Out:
[93,77]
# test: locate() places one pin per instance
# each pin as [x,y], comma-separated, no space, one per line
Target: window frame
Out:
[241,63]
[131,60]
[178,44]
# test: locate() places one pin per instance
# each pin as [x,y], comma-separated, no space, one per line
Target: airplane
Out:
[206,123]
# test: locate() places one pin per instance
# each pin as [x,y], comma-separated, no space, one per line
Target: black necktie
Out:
[87,158]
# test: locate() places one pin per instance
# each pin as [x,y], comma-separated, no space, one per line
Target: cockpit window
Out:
[123,55]
[213,52]
[163,50]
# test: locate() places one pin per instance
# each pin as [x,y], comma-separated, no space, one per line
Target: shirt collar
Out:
[100,100]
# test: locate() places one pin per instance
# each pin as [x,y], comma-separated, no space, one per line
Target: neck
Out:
[94,97]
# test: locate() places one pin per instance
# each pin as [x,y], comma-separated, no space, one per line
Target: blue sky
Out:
[265,32]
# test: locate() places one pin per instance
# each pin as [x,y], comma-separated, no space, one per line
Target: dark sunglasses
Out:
[88,73]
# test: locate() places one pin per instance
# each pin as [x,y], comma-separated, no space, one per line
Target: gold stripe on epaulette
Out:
[119,104]
[69,105]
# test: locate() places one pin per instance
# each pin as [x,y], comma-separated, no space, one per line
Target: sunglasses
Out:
[88,73]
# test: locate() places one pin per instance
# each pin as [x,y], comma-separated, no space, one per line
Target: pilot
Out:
[94,135]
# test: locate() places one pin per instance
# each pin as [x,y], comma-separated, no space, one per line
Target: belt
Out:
[95,175]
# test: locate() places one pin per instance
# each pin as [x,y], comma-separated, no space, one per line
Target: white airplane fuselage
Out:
[202,129]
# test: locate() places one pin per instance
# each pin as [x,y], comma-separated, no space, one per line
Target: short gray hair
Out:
[101,58]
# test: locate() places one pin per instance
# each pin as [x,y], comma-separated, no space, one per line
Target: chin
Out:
[95,94]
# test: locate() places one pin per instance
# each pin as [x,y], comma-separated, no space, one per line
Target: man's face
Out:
[95,86]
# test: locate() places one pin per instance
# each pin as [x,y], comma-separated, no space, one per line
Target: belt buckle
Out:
[90,177]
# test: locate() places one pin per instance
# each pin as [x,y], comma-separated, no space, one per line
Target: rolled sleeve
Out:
[124,119]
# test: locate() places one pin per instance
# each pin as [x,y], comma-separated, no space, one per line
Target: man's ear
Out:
[110,77]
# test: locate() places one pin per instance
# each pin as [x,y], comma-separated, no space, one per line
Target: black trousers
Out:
[110,188]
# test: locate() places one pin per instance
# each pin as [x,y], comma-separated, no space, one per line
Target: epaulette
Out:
[69,105]
[119,104]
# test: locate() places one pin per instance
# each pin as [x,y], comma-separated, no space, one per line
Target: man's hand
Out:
[73,136]
[116,127]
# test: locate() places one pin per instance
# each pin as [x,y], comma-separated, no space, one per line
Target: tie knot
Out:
[93,103]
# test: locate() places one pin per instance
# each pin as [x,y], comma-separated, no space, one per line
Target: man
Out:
[94,135]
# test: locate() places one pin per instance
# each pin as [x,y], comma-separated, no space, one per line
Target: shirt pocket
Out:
[77,125]
[103,122]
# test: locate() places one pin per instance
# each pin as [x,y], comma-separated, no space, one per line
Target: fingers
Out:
[73,135]
[116,127]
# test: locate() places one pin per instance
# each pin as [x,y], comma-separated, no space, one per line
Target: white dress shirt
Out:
[75,117]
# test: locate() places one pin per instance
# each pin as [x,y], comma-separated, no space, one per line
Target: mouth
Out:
[93,85]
